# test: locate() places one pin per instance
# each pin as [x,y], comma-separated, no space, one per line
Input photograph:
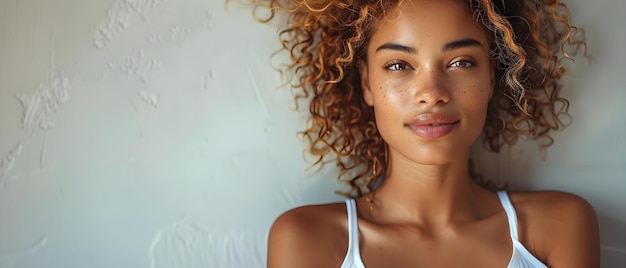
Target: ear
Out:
[365,83]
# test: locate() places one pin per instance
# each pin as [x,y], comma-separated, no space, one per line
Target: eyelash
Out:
[461,61]
[397,66]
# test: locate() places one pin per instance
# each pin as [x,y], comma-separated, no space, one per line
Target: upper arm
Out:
[286,241]
[293,241]
[574,238]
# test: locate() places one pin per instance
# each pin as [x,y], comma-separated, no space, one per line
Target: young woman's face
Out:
[429,78]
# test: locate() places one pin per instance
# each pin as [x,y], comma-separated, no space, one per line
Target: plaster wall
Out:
[151,133]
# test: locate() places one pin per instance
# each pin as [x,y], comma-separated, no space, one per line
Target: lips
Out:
[432,126]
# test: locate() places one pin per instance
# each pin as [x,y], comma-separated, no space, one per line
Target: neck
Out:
[429,195]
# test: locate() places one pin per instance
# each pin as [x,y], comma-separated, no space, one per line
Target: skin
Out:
[432,57]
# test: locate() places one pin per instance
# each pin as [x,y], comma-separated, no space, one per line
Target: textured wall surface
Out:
[151,133]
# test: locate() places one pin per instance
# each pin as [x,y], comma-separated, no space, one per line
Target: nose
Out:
[430,88]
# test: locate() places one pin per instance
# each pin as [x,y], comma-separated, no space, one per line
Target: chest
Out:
[473,247]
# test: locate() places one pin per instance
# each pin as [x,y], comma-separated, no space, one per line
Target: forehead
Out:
[421,21]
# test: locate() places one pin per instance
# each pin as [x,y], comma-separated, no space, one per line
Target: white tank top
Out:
[521,257]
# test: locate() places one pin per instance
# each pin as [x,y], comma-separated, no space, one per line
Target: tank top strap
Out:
[353,256]
[353,228]
[510,213]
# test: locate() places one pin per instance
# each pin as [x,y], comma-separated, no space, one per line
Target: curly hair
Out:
[326,38]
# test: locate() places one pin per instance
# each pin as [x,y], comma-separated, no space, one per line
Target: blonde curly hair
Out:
[326,39]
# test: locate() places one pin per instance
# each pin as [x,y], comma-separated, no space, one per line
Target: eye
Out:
[462,63]
[396,66]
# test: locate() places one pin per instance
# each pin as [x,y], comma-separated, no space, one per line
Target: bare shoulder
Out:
[552,203]
[559,228]
[309,236]
[553,209]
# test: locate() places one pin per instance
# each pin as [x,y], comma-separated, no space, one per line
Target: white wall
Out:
[150,133]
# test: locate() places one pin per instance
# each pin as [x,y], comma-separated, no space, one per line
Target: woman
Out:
[399,91]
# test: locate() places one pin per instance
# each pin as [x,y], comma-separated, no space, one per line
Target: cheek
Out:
[389,101]
[388,93]
[477,94]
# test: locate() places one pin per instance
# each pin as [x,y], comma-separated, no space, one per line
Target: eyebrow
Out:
[397,47]
[467,42]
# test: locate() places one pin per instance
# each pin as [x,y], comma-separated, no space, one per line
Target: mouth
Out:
[432,126]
